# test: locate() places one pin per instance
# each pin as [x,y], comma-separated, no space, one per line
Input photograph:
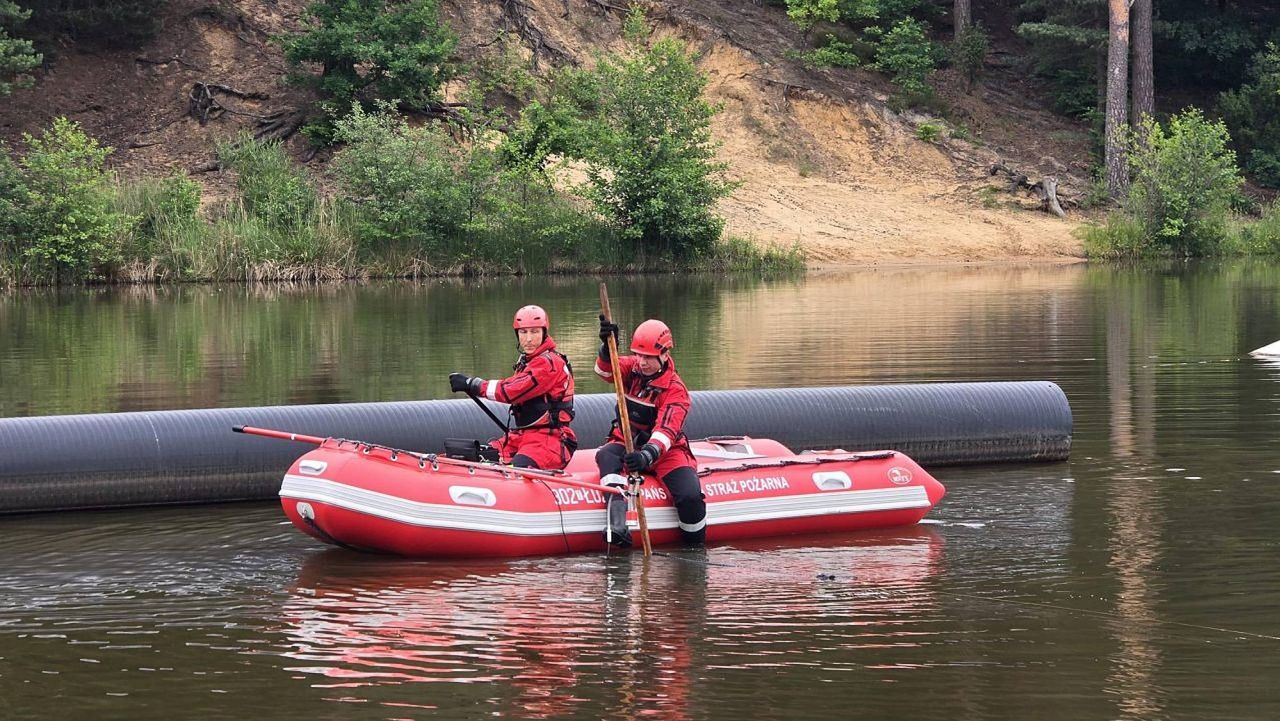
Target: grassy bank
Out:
[407,203]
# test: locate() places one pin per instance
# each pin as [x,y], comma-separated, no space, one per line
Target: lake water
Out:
[1139,580]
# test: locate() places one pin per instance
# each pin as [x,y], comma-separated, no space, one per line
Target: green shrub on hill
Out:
[370,50]
[644,129]
[60,200]
[907,56]
[17,56]
[403,183]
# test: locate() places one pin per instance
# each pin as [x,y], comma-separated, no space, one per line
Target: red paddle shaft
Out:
[441,460]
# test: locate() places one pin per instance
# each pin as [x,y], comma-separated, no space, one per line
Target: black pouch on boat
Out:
[463,449]
[489,453]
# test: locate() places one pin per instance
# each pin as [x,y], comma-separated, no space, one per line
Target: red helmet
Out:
[652,337]
[531,316]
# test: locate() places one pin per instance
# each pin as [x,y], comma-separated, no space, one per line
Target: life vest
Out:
[551,410]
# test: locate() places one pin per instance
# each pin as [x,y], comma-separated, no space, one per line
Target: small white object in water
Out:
[1175,470]
[1272,350]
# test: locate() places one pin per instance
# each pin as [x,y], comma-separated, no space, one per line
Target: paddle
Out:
[436,460]
[487,412]
[624,421]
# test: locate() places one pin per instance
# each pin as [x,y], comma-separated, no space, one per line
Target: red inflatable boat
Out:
[374,498]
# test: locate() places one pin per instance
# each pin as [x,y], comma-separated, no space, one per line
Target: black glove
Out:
[641,459]
[463,383]
[607,328]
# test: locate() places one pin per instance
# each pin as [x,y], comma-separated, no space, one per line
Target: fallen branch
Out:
[175,59]
[519,15]
[603,6]
[1046,189]
[280,125]
[202,101]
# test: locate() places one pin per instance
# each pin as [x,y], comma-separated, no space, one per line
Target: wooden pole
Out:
[624,421]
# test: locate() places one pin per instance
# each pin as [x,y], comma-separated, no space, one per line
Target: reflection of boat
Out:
[601,636]
[375,498]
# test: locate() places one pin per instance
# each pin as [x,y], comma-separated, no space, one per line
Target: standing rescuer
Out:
[657,403]
[540,393]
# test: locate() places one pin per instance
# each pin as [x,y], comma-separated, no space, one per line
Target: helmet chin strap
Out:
[662,367]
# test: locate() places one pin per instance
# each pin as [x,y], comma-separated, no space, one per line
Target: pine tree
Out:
[17,56]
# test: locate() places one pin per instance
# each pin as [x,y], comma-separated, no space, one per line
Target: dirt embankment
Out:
[822,161]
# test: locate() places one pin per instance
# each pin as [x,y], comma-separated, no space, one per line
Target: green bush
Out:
[273,189]
[969,53]
[928,132]
[546,130]
[806,13]
[62,217]
[647,138]
[17,56]
[1184,182]
[908,56]
[1252,115]
[370,50]
[833,53]
[403,182]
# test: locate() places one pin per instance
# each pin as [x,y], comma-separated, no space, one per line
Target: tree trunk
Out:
[963,17]
[1144,92]
[1117,98]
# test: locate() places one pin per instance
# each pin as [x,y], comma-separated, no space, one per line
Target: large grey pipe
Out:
[171,457]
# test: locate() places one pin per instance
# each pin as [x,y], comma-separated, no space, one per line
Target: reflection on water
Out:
[1137,581]
[606,631]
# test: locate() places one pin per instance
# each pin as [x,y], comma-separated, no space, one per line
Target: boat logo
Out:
[899,475]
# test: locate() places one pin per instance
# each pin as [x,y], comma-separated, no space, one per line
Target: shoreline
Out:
[810,269]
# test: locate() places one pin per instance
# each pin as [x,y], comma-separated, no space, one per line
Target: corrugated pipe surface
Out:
[169,457]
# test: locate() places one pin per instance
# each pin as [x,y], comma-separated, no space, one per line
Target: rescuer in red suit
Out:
[657,405]
[540,393]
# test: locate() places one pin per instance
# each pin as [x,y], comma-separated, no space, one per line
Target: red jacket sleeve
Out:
[536,379]
[625,363]
[673,407]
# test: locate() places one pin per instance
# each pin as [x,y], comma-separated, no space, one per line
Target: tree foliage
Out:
[969,53]
[907,56]
[644,128]
[1252,114]
[806,13]
[17,56]
[109,23]
[1184,182]
[60,216]
[370,50]
[403,181]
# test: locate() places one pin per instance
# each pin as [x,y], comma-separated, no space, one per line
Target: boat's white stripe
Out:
[548,523]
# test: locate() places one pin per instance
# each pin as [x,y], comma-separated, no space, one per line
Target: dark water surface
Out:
[1140,580]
